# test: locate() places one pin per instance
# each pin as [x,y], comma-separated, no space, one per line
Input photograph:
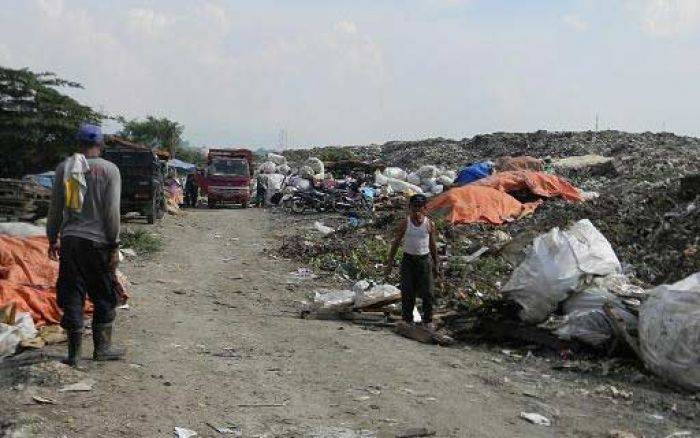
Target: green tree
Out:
[37,122]
[161,133]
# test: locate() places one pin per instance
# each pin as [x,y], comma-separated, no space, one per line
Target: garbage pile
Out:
[27,290]
[428,180]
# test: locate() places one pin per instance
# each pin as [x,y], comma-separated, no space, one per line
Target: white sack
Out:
[555,266]
[376,295]
[323,229]
[267,167]
[669,332]
[11,335]
[274,181]
[284,169]
[395,172]
[445,180]
[427,172]
[413,178]
[277,159]
[316,165]
[306,171]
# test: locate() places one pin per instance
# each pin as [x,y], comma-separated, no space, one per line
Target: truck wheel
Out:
[298,206]
[211,203]
[245,204]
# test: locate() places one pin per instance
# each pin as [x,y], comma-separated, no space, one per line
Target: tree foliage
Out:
[37,122]
[161,133]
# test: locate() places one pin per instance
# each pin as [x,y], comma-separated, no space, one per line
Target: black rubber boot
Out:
[75,341]
[102,338]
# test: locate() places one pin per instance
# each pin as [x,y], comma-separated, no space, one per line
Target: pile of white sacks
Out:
[429,180]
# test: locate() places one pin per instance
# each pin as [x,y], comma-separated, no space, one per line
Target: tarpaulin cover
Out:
[519,163]
[539,183]
[473,203]
[473,173]
[28,278]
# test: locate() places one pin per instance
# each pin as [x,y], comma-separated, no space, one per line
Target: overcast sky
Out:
[236,72]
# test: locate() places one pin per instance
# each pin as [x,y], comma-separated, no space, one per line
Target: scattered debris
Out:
[416,433]
[82,386]
[535,418]
[181,432]
[43,400]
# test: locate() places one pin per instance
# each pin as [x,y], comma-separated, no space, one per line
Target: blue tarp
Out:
[472,173]
[45,179]
[179,164]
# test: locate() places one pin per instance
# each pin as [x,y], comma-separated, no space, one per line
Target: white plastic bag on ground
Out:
[427,172]
[669,332]
[445,180]
[413,178]
[11,335]
[383,293]
[277,159]
[22,229]
[317,165]
[395,172]
[554,267]
[380,179]
[323,229]
[450,174]
[326,299]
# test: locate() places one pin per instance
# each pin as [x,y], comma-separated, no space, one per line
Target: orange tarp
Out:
[474,203]
[539,183]
[28,278]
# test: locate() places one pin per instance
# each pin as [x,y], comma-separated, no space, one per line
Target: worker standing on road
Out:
[419,263]
[261,190]
[85,215]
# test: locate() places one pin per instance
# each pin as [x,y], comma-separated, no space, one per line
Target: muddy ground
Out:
[214,338]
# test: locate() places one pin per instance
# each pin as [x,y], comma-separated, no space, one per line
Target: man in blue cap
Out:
[83,232]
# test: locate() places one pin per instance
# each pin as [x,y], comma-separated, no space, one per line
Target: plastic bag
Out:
[323,229]
[317,166]
[376,295]
[413,178]
[555,266]
[11,335]
[277,159]
[333,299]
[669,332]
[445,180]
[274,181]
[395,172]
[427,172]
[267,167]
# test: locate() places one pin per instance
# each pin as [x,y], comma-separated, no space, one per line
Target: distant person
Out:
[191,191]
[419,263]
[261,190]
[83,232]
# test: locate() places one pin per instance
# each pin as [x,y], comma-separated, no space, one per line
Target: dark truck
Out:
[226,178]
[142,178]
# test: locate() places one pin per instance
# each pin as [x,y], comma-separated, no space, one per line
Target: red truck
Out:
[226,177]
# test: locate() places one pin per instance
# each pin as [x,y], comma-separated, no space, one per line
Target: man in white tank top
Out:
[419,264]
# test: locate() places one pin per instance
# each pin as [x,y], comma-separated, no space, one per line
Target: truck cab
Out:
[226,177]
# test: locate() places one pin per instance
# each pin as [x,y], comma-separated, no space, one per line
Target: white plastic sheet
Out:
[669,332]
[326,299]
[21,229]
[554,267]
[378,294]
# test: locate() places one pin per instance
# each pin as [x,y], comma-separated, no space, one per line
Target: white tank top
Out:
[417,238]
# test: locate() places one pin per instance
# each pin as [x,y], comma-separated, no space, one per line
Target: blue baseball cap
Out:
[88,133]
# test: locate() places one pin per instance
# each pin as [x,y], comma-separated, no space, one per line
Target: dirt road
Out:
[214,337]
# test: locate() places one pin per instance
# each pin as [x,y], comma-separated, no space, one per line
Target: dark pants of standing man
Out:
[84,270]
[416,280]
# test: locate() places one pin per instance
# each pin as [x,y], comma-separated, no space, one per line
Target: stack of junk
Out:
[428,180]
[274,171]
[571,285]
[29,314]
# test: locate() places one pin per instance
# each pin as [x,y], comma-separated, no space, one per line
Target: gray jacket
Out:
[99,219]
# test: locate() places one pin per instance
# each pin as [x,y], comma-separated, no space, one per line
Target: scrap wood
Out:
[422,334]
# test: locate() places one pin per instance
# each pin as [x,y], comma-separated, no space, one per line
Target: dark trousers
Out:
[84,271]
[416,280]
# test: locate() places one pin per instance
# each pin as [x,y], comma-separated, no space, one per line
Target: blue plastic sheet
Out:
[473,173]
